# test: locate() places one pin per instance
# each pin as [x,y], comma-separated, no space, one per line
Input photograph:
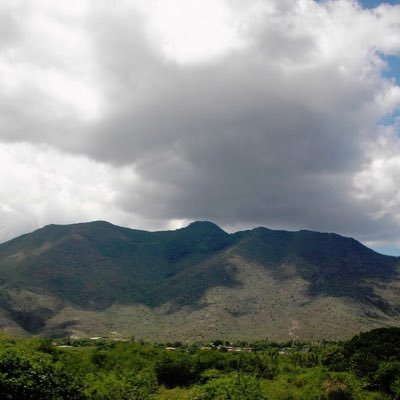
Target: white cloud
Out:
[379,181]
[193,31]
[50,63]
[40,185]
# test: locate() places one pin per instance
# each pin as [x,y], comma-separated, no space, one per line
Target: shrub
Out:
[26,376]
[335,388]
[233,387]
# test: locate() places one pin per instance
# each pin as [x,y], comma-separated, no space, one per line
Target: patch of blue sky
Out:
[375,3]
[392,71]
[393,68]
[391,118]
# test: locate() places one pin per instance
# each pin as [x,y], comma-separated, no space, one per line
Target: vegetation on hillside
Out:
[197,282]
[365,367]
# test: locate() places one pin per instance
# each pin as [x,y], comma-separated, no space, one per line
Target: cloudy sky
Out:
[154,113]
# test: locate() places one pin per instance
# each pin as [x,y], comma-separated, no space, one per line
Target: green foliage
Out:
[305,360]
[373,356]
[387,375]
[233,387]
[35,369]
[111,386]
[30,376]
[175,369]
[334,358]
[336,388]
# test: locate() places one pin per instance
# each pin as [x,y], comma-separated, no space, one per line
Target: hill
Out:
[197,282]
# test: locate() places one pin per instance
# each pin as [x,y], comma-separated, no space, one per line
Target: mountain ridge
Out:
[194,281]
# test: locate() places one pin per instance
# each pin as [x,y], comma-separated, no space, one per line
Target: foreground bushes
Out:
[33,376]
[232,387]
[373,357]
[366,367]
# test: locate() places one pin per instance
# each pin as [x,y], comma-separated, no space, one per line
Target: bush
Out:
[175,369]
[111,386]
[336,388]
[234,387]
[386,375]
[26,376]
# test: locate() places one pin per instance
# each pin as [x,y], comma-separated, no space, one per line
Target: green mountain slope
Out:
[194,283]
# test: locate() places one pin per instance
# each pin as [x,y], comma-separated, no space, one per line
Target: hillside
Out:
[196,282]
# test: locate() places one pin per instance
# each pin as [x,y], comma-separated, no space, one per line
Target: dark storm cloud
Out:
[278,129]
[237,140]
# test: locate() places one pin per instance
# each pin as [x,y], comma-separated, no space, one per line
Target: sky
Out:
[376,3]
[152,114]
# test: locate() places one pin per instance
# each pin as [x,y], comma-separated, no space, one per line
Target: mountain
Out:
[194,283]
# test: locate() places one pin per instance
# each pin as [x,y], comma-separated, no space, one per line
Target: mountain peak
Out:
[204,226]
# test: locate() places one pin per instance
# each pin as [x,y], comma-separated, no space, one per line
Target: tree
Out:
[27,376]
